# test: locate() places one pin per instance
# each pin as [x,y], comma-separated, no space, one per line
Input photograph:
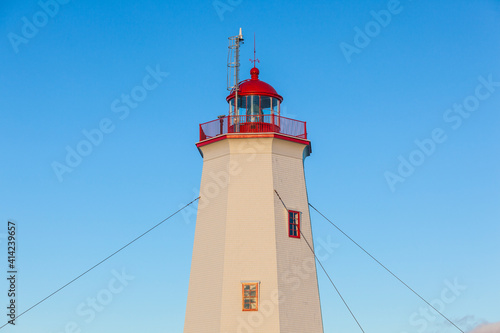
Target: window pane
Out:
[242,105]
[275,104]
[253,105]
[265,105]
[294,224]
[250,297]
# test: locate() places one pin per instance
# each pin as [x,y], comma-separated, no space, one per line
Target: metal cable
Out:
[91,268]
[324,270]
[387,269]
[333,284]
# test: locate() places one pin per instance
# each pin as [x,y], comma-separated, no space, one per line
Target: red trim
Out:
[256,297]
[211,140]
[285,137]
[277,96]
[291,222]
[254,86]
[257,135]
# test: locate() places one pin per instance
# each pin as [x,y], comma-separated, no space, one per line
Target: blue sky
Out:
[433,223]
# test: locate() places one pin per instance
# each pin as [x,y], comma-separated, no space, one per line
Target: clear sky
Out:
[402,105]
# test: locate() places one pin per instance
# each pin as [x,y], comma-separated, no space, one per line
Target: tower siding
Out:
[242,236]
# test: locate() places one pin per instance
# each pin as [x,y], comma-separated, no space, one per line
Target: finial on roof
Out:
[254,73]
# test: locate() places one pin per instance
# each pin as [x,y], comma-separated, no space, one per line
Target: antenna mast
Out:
[233,66]
[254,57]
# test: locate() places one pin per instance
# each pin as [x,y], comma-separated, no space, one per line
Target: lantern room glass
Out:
[254,108]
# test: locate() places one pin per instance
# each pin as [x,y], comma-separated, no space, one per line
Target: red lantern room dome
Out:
[254,86]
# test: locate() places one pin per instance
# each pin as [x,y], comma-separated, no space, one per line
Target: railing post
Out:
[221,124]
[202,134]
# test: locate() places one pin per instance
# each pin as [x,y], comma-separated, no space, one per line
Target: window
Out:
[250,296]
[293,224]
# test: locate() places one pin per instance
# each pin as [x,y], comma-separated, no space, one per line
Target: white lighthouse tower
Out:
[252,269]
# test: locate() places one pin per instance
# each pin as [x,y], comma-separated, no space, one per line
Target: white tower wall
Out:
[242,236]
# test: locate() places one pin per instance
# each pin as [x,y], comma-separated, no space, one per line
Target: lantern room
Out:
[254,107]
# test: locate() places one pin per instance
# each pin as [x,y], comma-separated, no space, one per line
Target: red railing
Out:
[253,124]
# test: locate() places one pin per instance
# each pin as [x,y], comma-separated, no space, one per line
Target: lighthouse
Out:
[253,268]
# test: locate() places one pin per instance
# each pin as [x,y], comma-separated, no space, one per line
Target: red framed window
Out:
[293,224]
[250,296]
